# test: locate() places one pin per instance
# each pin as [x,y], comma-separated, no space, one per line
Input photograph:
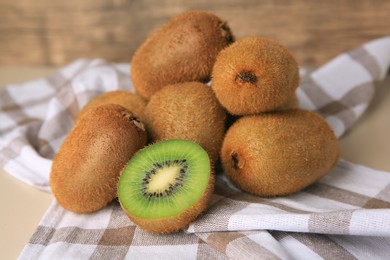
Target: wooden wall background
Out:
[51,32]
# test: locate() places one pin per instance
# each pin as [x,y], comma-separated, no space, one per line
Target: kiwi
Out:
[133,102]
[166,185]
[292,103]
[183,49]
[254,75]
[278,153]
[86,169]
[187,111]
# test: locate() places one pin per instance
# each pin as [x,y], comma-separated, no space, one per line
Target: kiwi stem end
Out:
[237,163]
[247,77]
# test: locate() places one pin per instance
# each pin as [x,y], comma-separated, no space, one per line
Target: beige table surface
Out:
[368,143]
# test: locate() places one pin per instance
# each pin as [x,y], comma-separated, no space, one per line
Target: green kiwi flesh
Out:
[166,185]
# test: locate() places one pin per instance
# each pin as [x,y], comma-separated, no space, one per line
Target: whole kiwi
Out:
[187,111]
[278,153]
[86,169]
[132,101]
[254,75]
[181,50]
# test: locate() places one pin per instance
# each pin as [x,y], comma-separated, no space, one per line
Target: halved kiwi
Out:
[166,185]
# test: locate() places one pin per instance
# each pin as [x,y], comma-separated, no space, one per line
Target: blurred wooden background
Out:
[51,32]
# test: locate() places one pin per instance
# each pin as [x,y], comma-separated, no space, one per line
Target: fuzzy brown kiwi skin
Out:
[254,75]
[279,153]
[187,111]
[181,221]
[292,103]
[181,50]
[86,168]
[132,101]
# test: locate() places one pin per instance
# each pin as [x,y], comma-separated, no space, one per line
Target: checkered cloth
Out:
[345,215]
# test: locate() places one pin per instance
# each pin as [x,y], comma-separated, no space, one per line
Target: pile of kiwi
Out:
[272,148]
[202,99]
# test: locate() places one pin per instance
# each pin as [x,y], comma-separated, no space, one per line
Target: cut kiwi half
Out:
[166,185]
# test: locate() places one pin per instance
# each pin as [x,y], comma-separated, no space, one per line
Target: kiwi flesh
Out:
[86,169]
[279,153]
[183,49]
[166,185]
[254,75]
[132,101]
[187,111]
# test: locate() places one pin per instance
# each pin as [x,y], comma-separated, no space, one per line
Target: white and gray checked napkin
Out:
[345,215]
